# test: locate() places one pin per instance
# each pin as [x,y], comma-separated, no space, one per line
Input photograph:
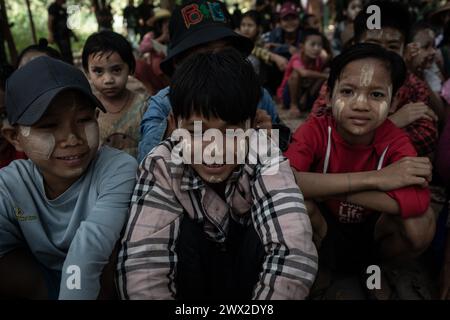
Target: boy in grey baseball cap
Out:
[61,211]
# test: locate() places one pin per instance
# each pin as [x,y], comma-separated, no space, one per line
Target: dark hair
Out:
[108,41]
[43,47]
[5,71]
[394,63]
[308,33]
[254,15]
[222,85]
[393,15]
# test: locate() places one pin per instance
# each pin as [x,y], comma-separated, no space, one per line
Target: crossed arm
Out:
[369,188]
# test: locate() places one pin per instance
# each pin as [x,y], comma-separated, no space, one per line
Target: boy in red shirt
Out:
[365,188]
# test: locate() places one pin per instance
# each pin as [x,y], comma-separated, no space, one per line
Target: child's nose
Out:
[108,78]
[70,137]
[71,140]
[361,103]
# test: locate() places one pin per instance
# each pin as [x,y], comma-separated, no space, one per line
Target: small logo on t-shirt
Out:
[22,217]
[350,213]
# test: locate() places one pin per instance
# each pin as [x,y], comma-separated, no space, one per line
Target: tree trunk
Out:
[6,33]
[168,4]
[30,16]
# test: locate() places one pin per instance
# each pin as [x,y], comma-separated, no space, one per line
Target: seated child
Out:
[283,40]
[7,151]
[211,32]
[61,211]
[108,61]
[343,33]
[251,27]
[421,60]
[364,187]
[215,229]
[153,49]
[304,74]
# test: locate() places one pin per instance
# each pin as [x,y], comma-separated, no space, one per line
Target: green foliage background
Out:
[21,31]
[17,14]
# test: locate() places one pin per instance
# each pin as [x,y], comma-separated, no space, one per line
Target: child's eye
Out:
[117,70]
[346,92]
[377,94]
[97,72]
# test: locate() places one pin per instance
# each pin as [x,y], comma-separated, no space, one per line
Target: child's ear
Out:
[11,135]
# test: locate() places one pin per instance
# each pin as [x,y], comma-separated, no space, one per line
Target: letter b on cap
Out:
[191,15]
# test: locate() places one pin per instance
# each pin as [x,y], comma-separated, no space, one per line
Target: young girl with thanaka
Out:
[365,188]
[108,61]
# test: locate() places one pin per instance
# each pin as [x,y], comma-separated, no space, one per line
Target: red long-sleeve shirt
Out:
[307,153]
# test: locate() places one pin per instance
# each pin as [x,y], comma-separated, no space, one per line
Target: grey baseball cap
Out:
[31,89]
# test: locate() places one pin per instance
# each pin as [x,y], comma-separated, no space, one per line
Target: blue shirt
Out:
[154,122]
[277,36]
[79,228]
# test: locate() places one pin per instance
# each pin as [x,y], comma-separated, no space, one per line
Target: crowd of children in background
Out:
[364,180]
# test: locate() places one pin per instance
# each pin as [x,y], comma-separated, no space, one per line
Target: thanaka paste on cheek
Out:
[339,105]
[25,131]
[40,144]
